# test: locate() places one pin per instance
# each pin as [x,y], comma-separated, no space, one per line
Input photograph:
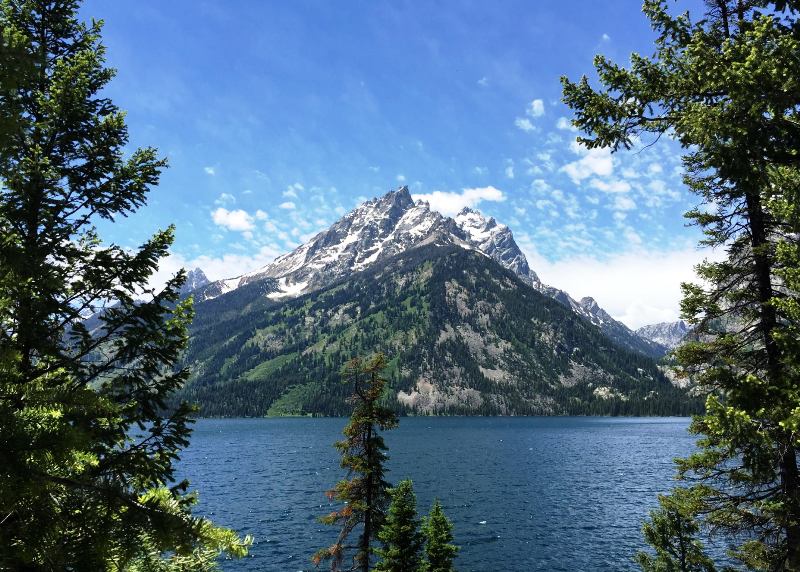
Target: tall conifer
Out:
[400,535]
[86,451]
[440,552]
[365,490]
[727,88]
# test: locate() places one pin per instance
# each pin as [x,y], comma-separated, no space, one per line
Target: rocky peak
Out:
[395,201]
[669,334]
[589,303]
[194,279]
[496,241]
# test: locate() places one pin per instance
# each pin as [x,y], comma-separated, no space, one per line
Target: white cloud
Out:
[623,203]
[210,171]
[483,82]
[401,178]
[509,170]
[637,287]
[632,236]
[449,203]
[536,108]
[292,190]
[614,186]
[480,170]
[224,199]
[592,162]
[525,124]
[238,220]
[630,173]
[565,124]
[288,205]
[605,38]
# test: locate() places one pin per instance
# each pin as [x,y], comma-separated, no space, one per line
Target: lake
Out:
[523,493]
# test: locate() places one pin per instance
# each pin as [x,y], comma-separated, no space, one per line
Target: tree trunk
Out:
[365,538]
[790,484]
[790,480]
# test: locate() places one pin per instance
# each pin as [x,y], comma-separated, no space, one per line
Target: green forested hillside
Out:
[463,336]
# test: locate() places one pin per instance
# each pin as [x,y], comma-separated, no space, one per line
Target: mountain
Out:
[668,334]
[464,335]
[390,225]
[468,325]
[195,279]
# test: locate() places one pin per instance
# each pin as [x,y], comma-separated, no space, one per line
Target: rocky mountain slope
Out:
[390,225]
[464,334]
[668,334]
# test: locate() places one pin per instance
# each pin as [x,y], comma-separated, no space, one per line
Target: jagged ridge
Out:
[387,226]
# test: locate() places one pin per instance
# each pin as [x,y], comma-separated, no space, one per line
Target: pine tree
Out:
[727,87]
[86,451]
[400,535]
[672,532]
[365,490]
[439,550]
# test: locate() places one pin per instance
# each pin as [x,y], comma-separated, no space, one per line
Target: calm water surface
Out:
[524,494]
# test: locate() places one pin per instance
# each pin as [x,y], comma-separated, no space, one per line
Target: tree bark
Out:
[365,538]
[790,480]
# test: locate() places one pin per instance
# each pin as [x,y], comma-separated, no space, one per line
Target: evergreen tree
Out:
[365,490]
[400,535]
[672,533]
[86,452]
[727,87]
[439,550]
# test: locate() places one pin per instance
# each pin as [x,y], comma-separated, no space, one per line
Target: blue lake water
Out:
[524,494]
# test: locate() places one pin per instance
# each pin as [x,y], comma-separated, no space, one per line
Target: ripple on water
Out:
[532,494]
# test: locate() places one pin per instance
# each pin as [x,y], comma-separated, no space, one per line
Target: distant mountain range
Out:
[468,326]
[668,334]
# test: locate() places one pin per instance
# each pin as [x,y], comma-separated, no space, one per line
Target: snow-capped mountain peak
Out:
[496,241]
[377,229]
[386,226]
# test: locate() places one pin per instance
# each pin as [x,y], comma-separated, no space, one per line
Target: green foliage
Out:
[672,533]
[727,87]
[400,535]
[439,549]
[86,453]
[408,309]
[364,492]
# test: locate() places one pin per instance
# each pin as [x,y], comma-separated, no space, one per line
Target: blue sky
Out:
[278,117]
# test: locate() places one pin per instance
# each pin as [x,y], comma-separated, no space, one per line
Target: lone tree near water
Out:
[86,453]
[365,491]
[727,88]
